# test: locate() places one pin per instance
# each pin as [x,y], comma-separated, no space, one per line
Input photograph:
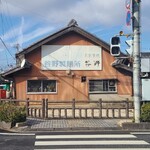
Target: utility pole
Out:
[137,60]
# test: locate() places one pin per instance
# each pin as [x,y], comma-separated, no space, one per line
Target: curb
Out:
[20,124]
[77,129]
[136,126]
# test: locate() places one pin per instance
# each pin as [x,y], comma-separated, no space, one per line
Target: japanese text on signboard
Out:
[71,57]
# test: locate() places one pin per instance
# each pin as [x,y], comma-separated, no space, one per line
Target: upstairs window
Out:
[102,86]
[41,86]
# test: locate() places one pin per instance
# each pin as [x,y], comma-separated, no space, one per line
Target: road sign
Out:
[128,18]
[130,45]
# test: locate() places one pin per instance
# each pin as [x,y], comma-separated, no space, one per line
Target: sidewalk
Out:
[34,124]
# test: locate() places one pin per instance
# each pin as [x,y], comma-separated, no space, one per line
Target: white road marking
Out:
[85,136]
[139,132]
[103,142]
[99,149]
[17,134]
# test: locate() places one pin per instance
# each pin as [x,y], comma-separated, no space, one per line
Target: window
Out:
[44,86]
[98,86]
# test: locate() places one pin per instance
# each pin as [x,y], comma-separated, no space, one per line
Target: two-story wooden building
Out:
[71,63]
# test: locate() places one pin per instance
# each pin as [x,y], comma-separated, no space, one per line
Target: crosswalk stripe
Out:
[85,136]
[21,134]
[90,142]
[139,132]
[112,142]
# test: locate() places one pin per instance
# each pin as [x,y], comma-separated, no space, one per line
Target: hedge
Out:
[145,112]
[9,112]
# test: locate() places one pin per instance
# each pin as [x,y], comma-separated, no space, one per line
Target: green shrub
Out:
[11,113]
[145,112]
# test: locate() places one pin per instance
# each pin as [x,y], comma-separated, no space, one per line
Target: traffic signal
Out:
[115,46]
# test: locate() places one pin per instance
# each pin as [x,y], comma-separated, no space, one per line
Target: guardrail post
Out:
[27,107]
[73,108]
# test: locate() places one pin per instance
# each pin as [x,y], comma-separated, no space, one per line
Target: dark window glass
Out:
[41,86]
[102,85]
[49,86]
[34,86]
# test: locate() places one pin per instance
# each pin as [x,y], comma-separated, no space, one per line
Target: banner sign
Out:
[128,18]
[60,57]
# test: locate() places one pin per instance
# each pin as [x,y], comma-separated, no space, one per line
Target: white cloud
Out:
[61,11]
[145,19]
[86,12]
[38,32]
[20,36]
[25,32]
[42,17]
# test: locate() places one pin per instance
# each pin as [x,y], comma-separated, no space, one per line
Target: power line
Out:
[9,21]
[6,48]
[2,19]
[6,22]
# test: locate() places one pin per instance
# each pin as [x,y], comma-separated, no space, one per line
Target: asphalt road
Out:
[99,140]
[16,141]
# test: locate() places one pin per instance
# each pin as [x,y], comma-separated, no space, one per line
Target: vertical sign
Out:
[128,16]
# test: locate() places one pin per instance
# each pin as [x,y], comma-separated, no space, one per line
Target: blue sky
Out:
[24,22]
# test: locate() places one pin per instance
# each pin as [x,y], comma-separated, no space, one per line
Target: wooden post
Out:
[119,112]
[43,108]
[92,113]
[85,112]
[73,108]
[113,113]
[31,112]
[53,112]
[35,111]
[100,108]
[39,113]
[46,108]
[127,108]
[27,107]
[65,112]
[59,113]
[107,112]
[80,116]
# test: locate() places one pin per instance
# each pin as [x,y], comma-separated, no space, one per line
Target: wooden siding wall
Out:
[70,87]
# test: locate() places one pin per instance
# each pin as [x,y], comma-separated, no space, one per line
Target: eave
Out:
[14,70]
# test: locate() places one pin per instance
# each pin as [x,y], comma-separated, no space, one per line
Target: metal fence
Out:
[73,109]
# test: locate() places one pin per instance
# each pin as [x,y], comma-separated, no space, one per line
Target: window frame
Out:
[42,92]
[102,85]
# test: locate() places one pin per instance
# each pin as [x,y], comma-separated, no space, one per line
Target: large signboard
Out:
[145,64]
[145,89]
[60,57]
